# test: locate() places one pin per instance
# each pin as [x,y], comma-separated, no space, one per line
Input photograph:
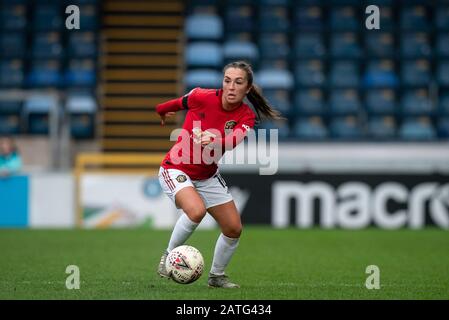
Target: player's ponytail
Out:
[254,95]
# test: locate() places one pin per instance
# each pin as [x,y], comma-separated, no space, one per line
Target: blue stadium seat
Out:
[280,100]
[309,18]
[344,74]
[9,124]
[380,73]
[442,45]
[310,128]
[239,18]
[380,44]
[13,17]
[274,45]
[240,50]
[81,109]
[443,73]
[82,45]
[417,102]
[204,27]
[344,18]
[36,112]
[44,74]
[382,128]
[204,54]
[274,79]
[344,102]
[414,18]
[443,106]
[267,63]
[89,18]
[274,2]
[381,102]
[443,128]
[205,78]
[10,107]
[310,73]
[282,128]
[47,46]
[310,102]
[309,45]
[415,73]
[442,17]
[12,44]
[273,19]
[387,17]
[47,17]
[417,129]
[345,45]
[11,73]
[345,128]
[415,45]
[80,73]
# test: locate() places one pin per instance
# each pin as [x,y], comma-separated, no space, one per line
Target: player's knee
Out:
[196,213]
[233,231]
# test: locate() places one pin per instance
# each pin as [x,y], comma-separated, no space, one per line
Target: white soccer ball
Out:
[185,263]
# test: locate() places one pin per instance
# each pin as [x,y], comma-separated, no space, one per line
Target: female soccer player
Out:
[216,120]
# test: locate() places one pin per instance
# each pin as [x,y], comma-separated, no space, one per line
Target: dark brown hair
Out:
[255,95]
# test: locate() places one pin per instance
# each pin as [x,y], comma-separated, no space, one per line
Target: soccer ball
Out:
[185,263]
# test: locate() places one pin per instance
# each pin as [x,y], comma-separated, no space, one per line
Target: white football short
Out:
[213,191]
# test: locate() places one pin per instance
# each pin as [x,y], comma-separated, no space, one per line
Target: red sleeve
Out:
[239,133]
[185,102]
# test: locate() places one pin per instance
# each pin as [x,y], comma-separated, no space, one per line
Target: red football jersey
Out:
[205,111]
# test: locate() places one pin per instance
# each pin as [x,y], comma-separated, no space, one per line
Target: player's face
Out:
[235,86]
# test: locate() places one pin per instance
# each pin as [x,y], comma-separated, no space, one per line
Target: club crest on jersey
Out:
[230,124]
[181,178]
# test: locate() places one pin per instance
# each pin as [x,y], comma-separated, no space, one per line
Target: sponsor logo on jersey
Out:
[230,124]
[181,178]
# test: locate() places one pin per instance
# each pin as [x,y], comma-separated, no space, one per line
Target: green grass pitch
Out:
[269,264]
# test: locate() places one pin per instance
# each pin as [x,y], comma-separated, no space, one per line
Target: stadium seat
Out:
[13,17]
[13,45]
[309,45]
[416,102]
[9,124]
[10,107]
[47,46]
[81,109]
[380,45]
[274,79]
[80,73]
[380,73]
[311,128]
[345,45]
[274,46]
[240,50]
[442,17]
[280,100]
[308,18]
[88,18]
[345,128]
[204,55]
[239,18]
[204,27]
[310,73]
[382,128]
[414,18]
[443,73]
[387,17]
[82,45]
[274,2]
[344,74]
[11,73]
[417,129]
[415,45]
[344,18]
[442,45]
[36,111]
[47,17]
[443,128]
[443,107]
[281,127]
[205,78]
[416,73]
[310,102]
[273,19]
[381,102]
[44,73]
[344,102]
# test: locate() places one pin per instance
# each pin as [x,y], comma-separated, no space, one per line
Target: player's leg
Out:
[189,203]
[230,224]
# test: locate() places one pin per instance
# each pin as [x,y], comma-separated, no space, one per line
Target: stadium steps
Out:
[141,67]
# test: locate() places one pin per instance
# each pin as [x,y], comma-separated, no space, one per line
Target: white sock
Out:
[184,227]
[224,249]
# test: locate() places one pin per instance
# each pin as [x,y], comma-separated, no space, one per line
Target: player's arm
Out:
[169,108]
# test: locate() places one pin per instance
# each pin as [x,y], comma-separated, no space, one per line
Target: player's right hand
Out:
[165,116]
